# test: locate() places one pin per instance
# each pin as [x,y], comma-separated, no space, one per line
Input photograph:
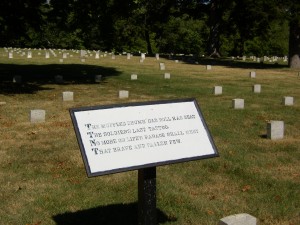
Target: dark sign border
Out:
[118,170]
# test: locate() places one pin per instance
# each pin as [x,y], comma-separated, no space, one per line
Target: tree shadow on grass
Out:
[34,77]
[117,214]
[226,62]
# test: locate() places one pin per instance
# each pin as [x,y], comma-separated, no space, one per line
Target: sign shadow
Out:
[116,214]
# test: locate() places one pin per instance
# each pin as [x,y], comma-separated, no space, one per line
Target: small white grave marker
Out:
[252,74]
[29,55]
[217,90]
[17,79]
[208,67]
[275,130]
[59,79]
[47,55]
[167,76]
[68,96]
[82,60]
[98,78]
[10,55]
[162,66]
[238,219]
[61,60]
[287,100]
[37,116]
[133,76]
[123,94]
[128,55]
[256,88]
[157,56]
[238,103]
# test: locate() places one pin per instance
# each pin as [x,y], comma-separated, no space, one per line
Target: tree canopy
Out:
[201,27]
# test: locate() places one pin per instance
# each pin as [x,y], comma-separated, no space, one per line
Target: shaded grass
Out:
[42,176]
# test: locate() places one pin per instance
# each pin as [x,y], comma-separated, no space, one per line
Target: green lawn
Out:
[42,176]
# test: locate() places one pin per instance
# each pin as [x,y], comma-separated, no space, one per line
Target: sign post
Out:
[141,136]
[147,196]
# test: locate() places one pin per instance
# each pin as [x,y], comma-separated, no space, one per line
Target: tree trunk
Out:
[294,44]
[213,47]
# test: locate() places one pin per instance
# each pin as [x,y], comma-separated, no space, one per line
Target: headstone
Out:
[162,66]
[176,61]
[256,88]
[287,100]
[157,56]
[17,79]
[64,55]
[208,67]
[59,79]
[97,55]
[37,116]
[82,60]
[47,55]
[98,78]
[113,57]
[217,90]
[238,103]
[143,56]
[61,60]
[123,94]
[10,55]
[244,58]
[67,96]
[167,76]
[133,76]
[275,130]
[29,55]
[82,53]
[238,219]
[128,55]
[252,74]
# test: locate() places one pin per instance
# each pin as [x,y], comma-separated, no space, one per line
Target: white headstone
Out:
[288,100]
[37,116]
[157,56]
[128,55]
[252,74]
[143,56]
[208,67]
[47,55]
[82,53]
[217,90]
[275,130]
[67,96]
[59,79]
[162,66]
[238,219]
[113,57]
[98,78]
[167,76]
[29,55]
[123,94]
[238,103]
[256,88]
[61,60]
[97,55]
[244,58]
[17,79]
[133,76]
[65,55]
[82,60]
[10,55]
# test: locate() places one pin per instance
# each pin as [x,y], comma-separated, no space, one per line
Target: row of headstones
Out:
[264,58]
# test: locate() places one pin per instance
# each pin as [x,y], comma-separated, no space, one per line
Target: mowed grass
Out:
[42,176]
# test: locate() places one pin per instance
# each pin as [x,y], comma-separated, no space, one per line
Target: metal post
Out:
[147,196]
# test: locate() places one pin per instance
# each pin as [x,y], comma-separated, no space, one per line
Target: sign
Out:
[118,138]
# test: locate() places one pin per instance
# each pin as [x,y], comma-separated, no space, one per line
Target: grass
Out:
[42,175]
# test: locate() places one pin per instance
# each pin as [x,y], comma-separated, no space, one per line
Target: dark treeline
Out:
[201,27]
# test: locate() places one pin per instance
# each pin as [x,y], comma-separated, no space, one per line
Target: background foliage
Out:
[198,27]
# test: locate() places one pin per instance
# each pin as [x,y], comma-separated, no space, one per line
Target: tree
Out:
[294,40]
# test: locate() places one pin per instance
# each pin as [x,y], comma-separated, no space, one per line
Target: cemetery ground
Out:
[42,176]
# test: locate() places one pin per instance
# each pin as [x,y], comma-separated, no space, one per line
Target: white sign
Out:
[125,137]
